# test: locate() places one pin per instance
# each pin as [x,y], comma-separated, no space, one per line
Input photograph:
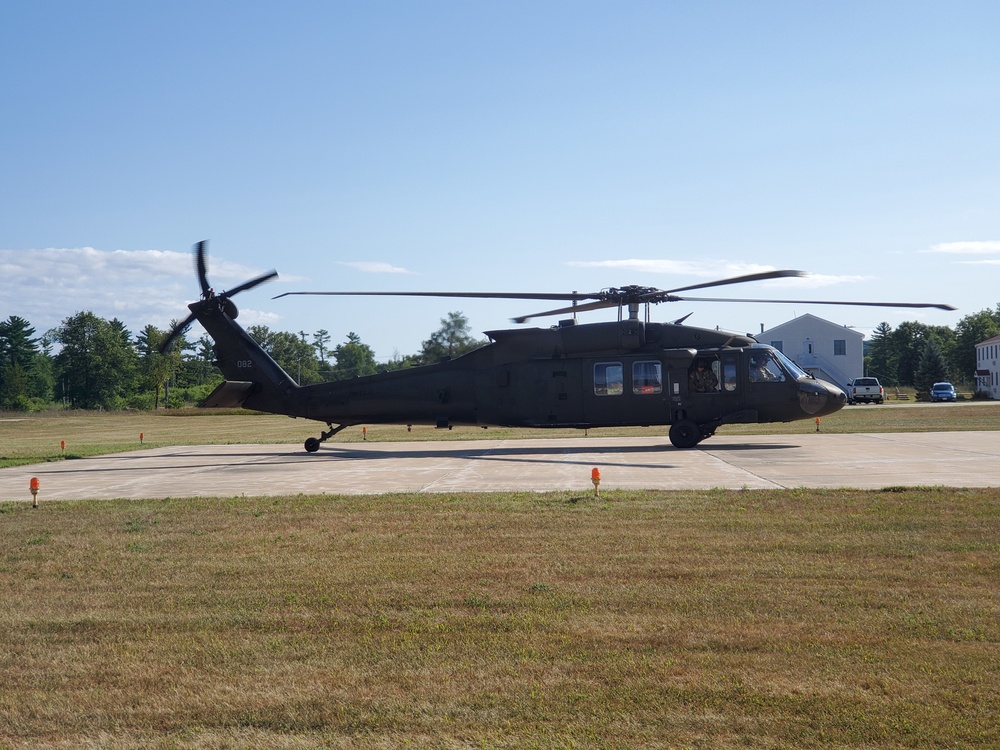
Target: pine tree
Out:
[931,369]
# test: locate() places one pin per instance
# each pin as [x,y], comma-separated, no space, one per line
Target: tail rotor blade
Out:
[252,283]
[201,266]
[176,332]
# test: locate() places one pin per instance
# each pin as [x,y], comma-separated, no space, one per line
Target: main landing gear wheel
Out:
[685,434]
[312,445]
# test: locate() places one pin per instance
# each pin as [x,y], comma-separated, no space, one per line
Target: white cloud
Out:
[374,266]
[139,287]
[988,247]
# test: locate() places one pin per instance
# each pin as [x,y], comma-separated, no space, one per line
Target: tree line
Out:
[92,363]
[919,355]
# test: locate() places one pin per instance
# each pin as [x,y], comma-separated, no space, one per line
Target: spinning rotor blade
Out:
[598,305]
[201,266]
[175,333]
[648,295]
[763,276]
[627,295]
[816,302]
[221,302]
[469,295]
[250,284]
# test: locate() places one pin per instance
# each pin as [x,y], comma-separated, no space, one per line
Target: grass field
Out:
[797,618]
[684,619]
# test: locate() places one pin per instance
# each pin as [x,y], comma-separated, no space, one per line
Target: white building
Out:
[987,375]
[826,350]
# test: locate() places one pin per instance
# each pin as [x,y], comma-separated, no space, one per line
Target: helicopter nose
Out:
[818,398]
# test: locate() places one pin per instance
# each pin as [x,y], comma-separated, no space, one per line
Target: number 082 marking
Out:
[244,364]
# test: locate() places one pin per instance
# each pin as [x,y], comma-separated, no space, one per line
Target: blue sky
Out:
[515,146]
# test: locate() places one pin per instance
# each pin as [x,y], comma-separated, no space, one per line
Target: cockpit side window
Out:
[764,368]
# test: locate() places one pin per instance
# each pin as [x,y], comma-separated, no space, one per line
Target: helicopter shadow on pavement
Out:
[720,446]
[514,454]
[139,461]
[534,454]
[578,454]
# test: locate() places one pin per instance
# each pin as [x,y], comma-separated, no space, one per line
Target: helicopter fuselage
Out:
[625,373]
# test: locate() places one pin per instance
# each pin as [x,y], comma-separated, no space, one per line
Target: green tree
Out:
[97,364]
[906,345]
[24,371]
[199,364]
[354,358]
[154,369]
[452,339]
[970,330]
[880,362]
[931,369]
[321,341]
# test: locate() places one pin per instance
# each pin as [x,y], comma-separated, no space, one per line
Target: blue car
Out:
[943,392]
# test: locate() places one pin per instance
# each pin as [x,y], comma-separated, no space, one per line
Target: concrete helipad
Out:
[959,459]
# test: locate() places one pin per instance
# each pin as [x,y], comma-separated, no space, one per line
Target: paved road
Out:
[960,459]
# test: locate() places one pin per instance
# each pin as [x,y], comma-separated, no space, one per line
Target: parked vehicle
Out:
[943,392]
[865,390]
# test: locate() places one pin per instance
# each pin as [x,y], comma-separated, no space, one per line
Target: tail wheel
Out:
[685,434]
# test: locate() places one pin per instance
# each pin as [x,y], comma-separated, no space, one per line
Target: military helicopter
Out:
[629,372]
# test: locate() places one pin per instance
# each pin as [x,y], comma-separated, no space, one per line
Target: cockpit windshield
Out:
[794,370]
[767,363]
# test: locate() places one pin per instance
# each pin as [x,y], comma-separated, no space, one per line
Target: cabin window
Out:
[729,373]
[609,379]
[647,378]
[840,347]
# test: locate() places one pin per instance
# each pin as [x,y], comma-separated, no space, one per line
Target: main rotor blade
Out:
[815,302]
[251,284]
[763,276]
[201,266]
[468,295]
[586,307]
[621,295]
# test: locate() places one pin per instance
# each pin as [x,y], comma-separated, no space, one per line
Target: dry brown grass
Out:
[648,619]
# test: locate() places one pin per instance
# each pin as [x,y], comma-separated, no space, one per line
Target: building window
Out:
[839,347]
[777,345]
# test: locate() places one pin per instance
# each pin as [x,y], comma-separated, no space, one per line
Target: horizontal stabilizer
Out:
[229,395]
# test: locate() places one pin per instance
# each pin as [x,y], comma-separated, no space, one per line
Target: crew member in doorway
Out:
[702,379]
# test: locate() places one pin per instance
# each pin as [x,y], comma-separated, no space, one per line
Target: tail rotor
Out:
[210,301]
